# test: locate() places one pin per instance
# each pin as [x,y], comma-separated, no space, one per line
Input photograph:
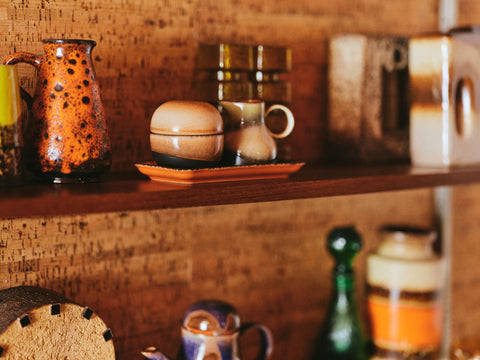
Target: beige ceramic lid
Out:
[186,118]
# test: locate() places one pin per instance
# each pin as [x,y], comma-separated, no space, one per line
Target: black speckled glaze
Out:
[68,133]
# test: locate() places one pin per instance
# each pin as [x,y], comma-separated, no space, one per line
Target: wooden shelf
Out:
[124,192]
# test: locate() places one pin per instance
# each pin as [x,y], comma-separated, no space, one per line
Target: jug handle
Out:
[266,339]
[290,121]
[28,58]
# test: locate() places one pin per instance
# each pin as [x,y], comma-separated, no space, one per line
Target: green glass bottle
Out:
[342,336]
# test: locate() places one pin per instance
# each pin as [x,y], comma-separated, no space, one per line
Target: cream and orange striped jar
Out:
[405,281]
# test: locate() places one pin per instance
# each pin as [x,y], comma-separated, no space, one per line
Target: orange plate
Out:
[231,173]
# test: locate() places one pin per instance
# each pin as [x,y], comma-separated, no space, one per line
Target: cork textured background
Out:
[140,270]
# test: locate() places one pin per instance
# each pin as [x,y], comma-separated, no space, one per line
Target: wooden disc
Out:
[37,323]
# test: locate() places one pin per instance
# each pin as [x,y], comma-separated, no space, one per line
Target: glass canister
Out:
[405,286]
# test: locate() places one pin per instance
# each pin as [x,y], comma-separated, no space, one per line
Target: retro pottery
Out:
[67,136]
[445,88]
[186,135]
[247,139]
[211,331]
[218,174]
[368,99]
[405,284]
[11,117]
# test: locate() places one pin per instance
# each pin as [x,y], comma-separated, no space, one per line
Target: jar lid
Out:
[186,118]
[212,318]
[407,242]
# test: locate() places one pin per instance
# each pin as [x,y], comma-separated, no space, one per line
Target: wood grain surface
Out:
[124,192]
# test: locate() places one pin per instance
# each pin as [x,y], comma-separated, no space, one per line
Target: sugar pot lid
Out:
[212,318]
[178,117]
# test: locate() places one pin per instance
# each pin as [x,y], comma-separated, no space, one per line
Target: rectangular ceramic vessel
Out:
[444,82]
[368,98]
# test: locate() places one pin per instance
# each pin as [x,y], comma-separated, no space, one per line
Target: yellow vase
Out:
[10,124]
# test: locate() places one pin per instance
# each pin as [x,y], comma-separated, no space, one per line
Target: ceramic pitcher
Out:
[67,136]
[210,331]
[247,138]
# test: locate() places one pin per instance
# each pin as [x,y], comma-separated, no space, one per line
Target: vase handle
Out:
[266,338]
[28,58]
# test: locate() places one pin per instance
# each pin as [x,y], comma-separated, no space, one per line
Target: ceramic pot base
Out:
[181,163]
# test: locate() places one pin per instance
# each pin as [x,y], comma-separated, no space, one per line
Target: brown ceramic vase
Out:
[66,138]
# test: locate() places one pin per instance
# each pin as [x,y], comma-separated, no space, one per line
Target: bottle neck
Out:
[343,286]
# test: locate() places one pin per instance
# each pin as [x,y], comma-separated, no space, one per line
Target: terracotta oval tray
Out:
[231,173]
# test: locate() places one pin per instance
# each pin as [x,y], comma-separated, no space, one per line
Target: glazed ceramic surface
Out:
[247,138]
[405,281]
[210,331]
[196,150]
[186,135]
[368,102]
[68,134]
[445,81]
[218,174]
[186,118]
[11,146]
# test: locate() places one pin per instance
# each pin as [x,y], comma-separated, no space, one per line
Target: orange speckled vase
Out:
[66,139]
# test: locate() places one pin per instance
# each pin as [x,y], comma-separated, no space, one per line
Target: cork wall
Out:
[140,270]
[146,50]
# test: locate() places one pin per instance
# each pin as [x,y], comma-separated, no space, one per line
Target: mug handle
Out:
[266,339]
[28,58]
[290,120]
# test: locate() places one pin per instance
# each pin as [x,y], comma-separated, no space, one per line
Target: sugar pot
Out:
[210,331]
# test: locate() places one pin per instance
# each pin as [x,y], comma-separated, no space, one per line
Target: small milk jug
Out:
[248,141]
